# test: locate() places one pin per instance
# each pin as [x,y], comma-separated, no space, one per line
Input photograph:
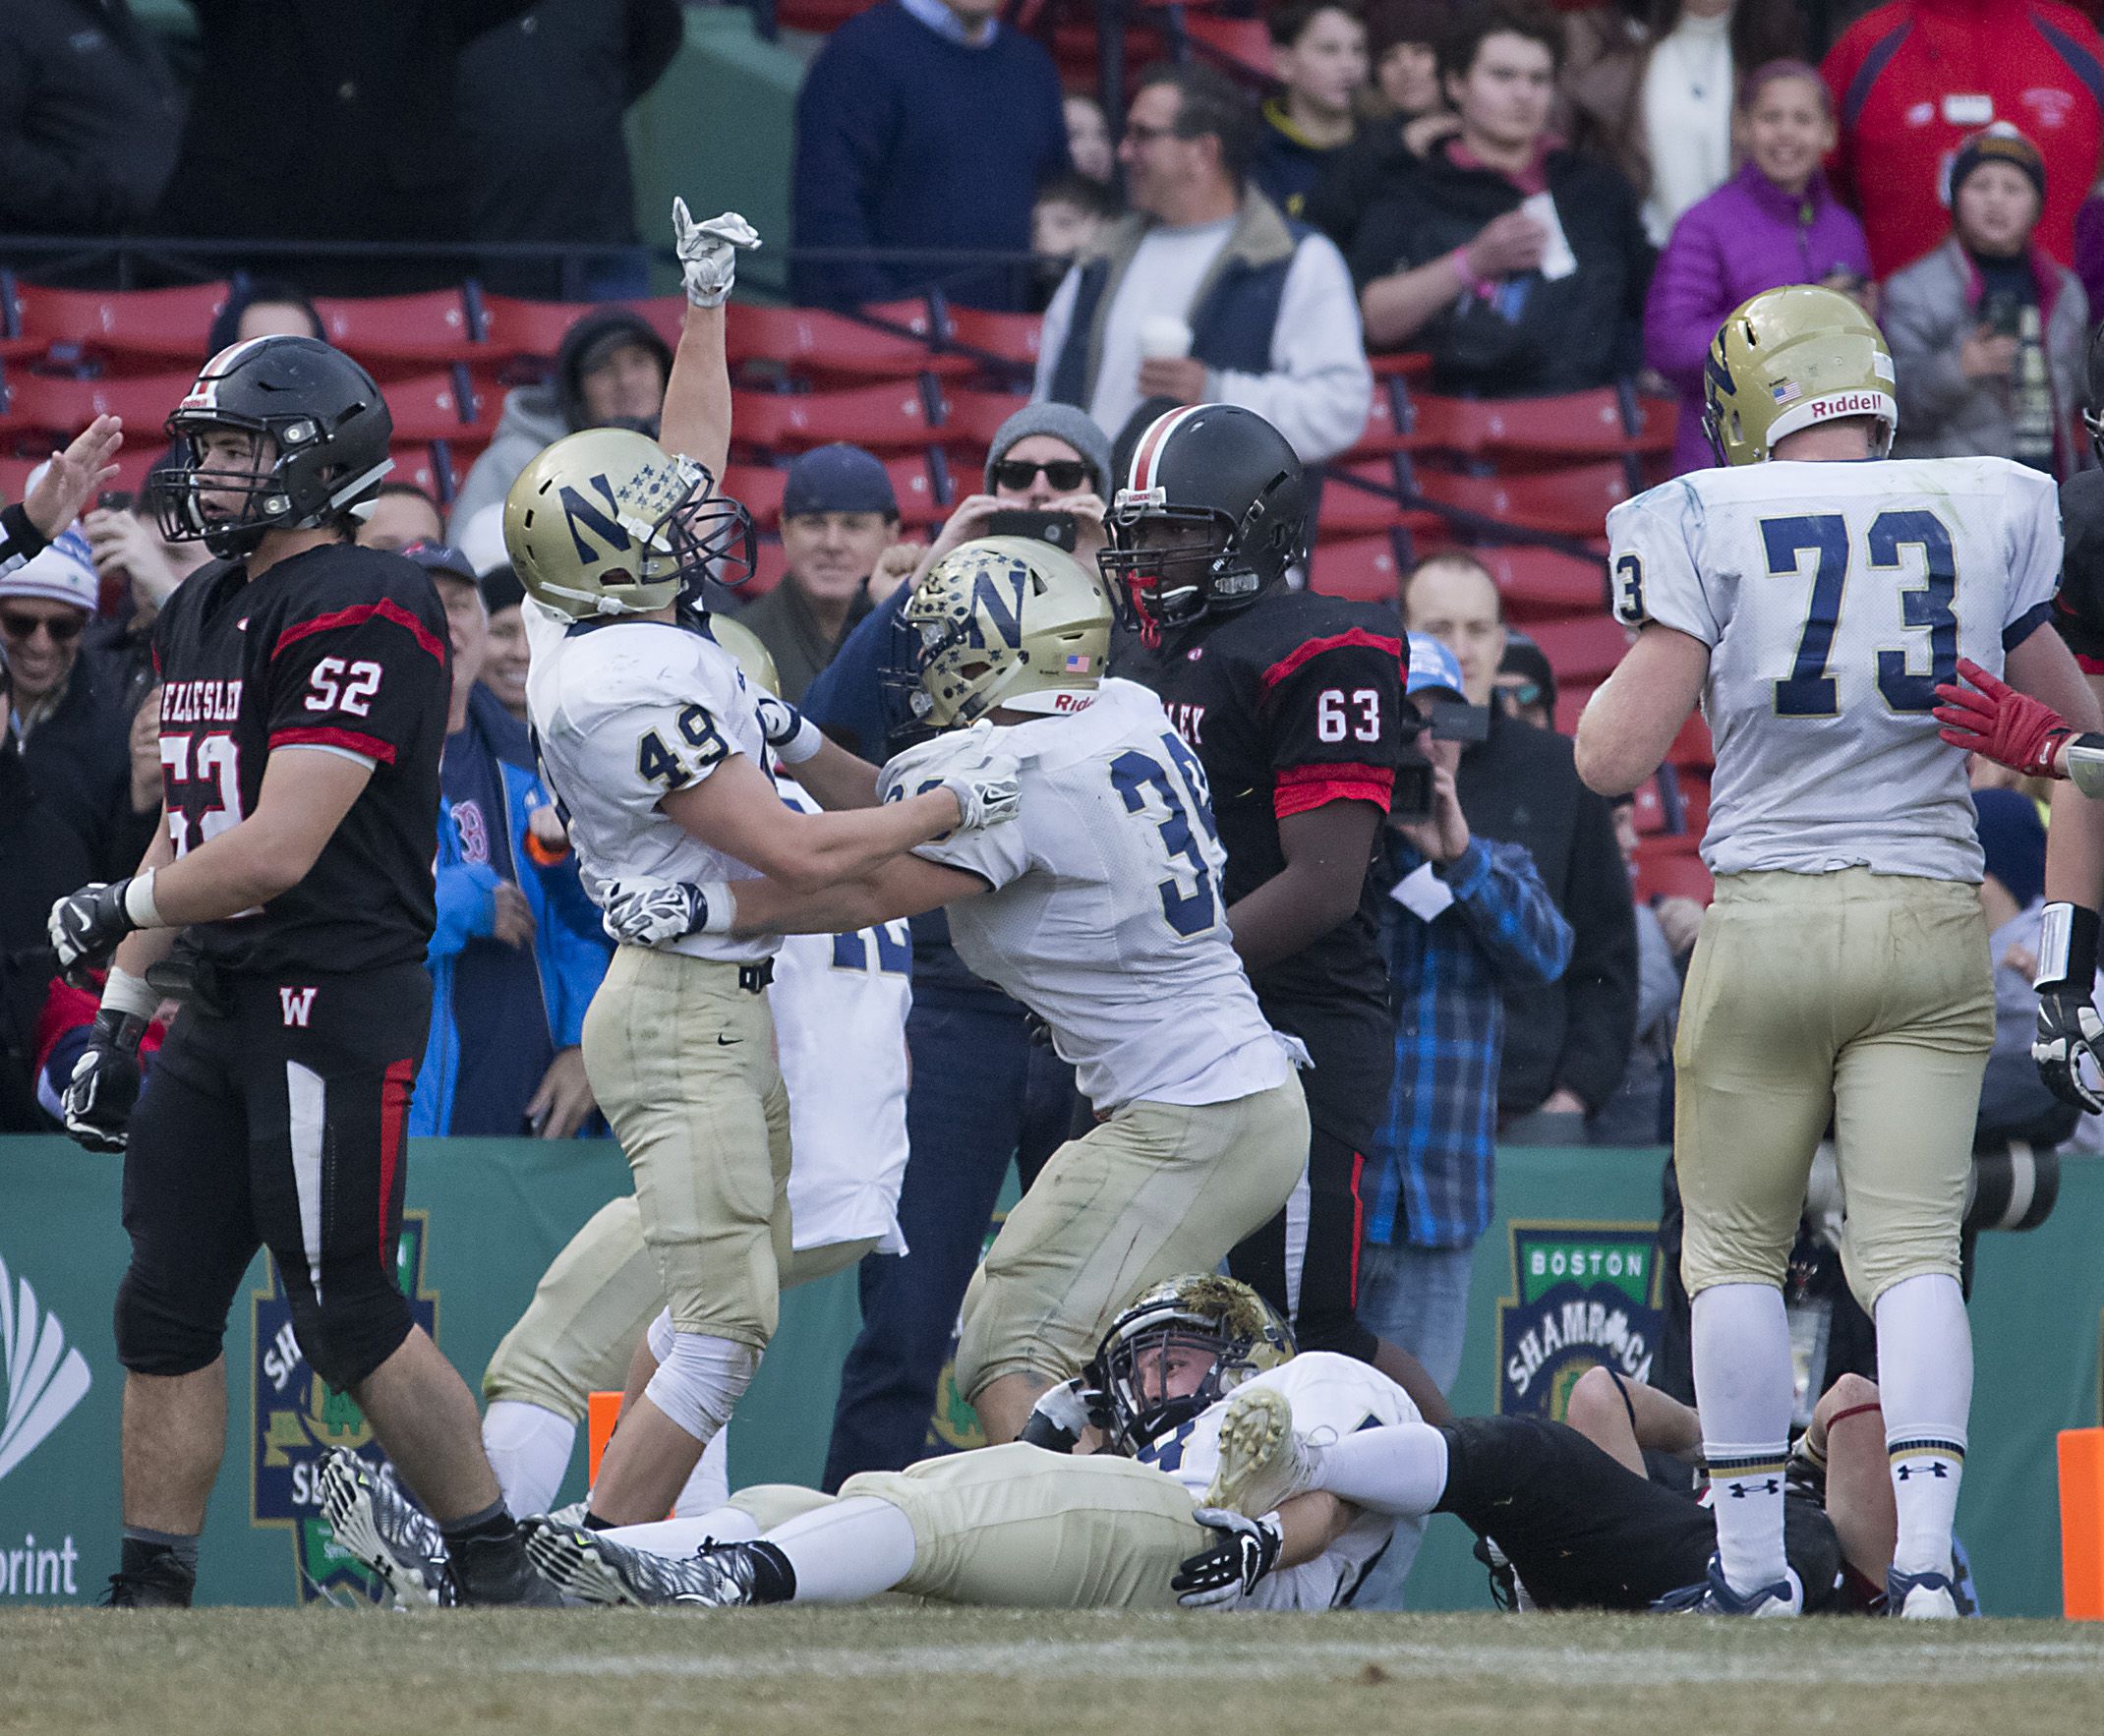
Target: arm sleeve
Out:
[844,128]
[1332,709]
[1600,984]
[1653,563]
[1321,388]
[465,893]
[19,537]
[365,679]
[1686,304]
[44,189]
[574,954]
[1930,384]
[1383,245]
[1515,923]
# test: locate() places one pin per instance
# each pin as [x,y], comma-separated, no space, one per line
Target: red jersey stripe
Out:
[350,740]
[1289,799]
[386,610]
[1314,648]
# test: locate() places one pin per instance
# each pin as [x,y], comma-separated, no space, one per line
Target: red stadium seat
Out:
[132,468]
[915,487]
[1544,584]
[1245,43]
[814,344]
[769,563]
[1571,502]
[1581,650]
[1694,802]
[1011,338]
[976,416]
[1362,569]
[758,489]
[517,328]
[1691,748]
[428,407]
[1384,432]
[1571,703]
[1573,424]
[1650,808]
[883,417]
[1412,364]
[158,324]
[397,329]
[1347,511]
[62,406]
[1671,873]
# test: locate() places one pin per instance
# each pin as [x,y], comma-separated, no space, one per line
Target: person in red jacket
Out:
[1913,79]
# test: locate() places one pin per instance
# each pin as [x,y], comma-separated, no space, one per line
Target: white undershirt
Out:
[1687,118]
[1163,278]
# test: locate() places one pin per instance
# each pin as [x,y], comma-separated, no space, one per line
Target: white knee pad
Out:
[660,1335]
[699,1379]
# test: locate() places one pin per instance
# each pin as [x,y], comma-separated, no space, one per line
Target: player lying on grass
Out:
[1611,1522]
[1016,1525]
[840,1004]
[1099,909]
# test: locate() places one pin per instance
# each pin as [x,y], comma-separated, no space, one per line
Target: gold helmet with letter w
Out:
[607,523]
[1006,621]
[1789,358]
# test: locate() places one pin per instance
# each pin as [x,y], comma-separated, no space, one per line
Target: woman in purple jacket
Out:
[1775,222]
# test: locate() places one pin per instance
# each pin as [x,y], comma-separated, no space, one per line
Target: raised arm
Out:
[696,419]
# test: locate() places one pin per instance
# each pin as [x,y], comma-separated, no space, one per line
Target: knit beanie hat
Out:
[1998,144]
[1063,422]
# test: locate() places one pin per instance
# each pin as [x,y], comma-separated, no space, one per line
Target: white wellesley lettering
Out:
[297,1005]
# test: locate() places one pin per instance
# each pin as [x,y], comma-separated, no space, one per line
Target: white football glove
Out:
[655,913]
[708,252]
[1244,1550]
[988,793]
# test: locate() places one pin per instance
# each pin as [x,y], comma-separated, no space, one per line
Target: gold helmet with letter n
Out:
[607,523]
[1178,1347]
[1005,622]
[1789,358]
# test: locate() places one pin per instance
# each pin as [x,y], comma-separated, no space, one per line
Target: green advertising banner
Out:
[1565,1278]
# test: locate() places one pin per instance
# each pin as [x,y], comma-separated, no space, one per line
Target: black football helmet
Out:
[1221,1319]
[1214,509]
[327,428]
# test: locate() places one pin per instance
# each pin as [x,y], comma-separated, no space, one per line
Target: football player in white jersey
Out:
[840,1004]
[1813,602]
[661,754]
[1022,1525]
[1100,911]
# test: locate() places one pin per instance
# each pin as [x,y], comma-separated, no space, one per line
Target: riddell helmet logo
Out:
[45,1380]
[1847,404]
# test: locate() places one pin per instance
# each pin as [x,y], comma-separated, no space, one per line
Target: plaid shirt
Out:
[1448,977]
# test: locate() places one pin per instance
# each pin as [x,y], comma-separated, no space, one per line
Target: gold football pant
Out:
[1867,998]
[593,1305]
[682,1061]
[1154,1190]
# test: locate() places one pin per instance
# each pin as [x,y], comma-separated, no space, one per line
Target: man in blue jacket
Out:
[517,952]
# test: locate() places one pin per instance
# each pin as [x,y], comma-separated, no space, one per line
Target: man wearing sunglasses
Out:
[68,722]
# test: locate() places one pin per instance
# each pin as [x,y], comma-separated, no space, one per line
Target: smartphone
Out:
[115,501]
[1055,528]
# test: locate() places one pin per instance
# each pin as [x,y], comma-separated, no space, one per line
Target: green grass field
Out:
[876,1670]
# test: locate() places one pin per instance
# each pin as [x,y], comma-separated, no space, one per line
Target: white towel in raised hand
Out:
[708,252]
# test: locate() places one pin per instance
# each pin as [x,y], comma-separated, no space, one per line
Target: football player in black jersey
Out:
[2014,729]
[1295,705]
[301,717]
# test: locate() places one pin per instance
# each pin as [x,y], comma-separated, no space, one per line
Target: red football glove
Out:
[1998,723]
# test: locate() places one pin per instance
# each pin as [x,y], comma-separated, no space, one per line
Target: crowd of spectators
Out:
[1541,201]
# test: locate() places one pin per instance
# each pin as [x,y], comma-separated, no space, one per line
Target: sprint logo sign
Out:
[45,1379]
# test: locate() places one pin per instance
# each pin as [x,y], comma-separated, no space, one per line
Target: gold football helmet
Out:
[1006,621]
[607,522]
[1147,1368]
[745,649]
[1787,359]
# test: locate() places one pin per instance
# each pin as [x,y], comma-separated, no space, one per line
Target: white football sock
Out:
[1742,1392]
[684,1537]
[708,1484]
[1925,1386]
[852,1549]
[1399,1469]
[529,1448]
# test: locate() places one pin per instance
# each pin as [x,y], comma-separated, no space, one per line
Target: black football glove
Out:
[1243,1552]
[104,1085]
[2070,1032]
[85,926]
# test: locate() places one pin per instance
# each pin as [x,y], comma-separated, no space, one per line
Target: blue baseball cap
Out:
[438,559]
[839,478]
[1432,668]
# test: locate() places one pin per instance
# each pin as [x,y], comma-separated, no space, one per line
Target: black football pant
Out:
[1304,1262]
[274,1119]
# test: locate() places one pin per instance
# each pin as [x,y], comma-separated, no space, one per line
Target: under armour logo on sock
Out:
[1934,1467]
[1739,1491]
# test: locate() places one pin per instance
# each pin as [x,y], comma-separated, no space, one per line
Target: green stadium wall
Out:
[1564,1276]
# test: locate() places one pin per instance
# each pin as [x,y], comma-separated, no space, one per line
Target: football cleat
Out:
[589,1567]
[379,1526]
[1714,1595]
[1262,1461]
[164,1584]
[1922,1597]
